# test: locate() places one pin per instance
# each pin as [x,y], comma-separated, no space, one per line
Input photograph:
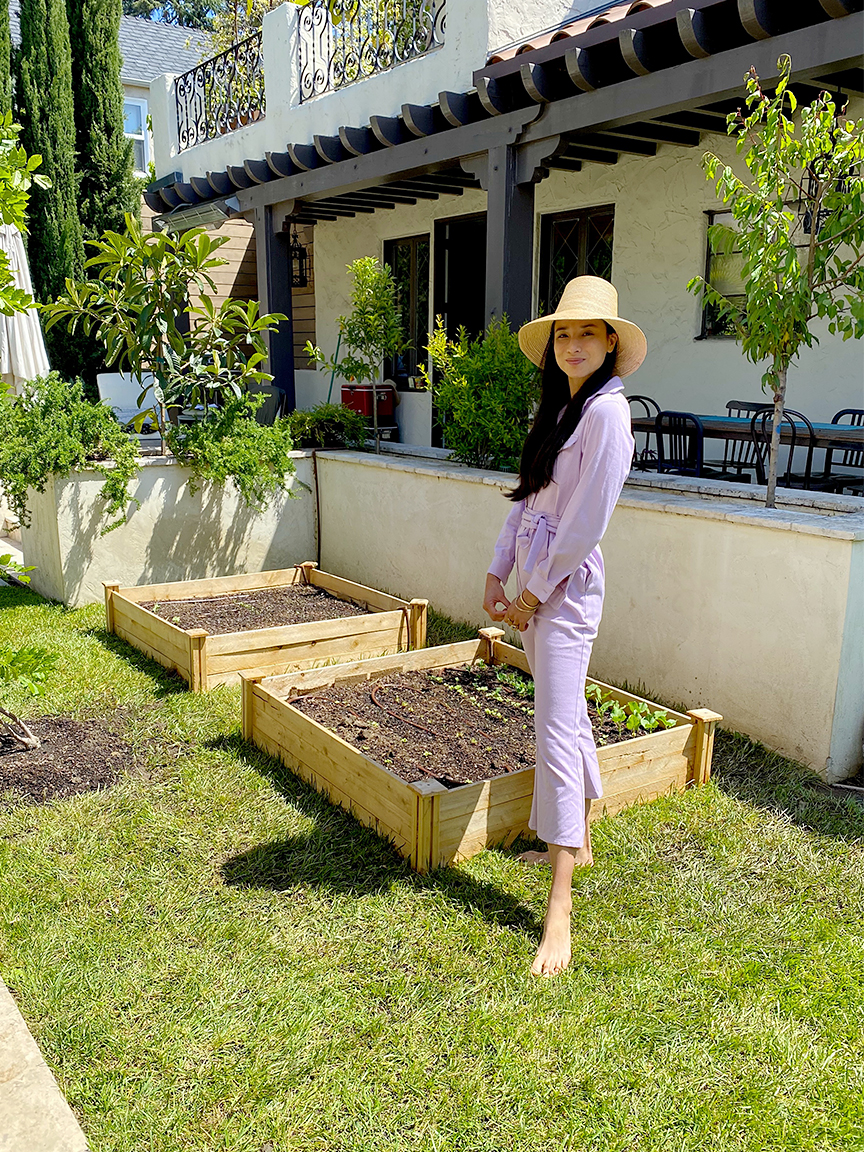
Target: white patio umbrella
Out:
[22,346]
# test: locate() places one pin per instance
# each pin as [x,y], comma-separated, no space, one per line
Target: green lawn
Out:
[212,957]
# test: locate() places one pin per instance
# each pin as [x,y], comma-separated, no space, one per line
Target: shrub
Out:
[51,429]
[486,390]
[229,443]
[328,426]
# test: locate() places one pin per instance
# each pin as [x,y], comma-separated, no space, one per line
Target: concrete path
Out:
[34,1116]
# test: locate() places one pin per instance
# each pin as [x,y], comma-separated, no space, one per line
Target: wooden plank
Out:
[212,586]
[457,803]
[485,828]
[443,657]
[337,763]
[198,659]
[148,649]
[359,593]
[278,661]
[672,741]
[158,634]
[705,722]
[403,844]
[110,589]
[292,635]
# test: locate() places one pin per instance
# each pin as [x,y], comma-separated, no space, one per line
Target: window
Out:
[409,262]
[574,244]
[135,128]
[725,273]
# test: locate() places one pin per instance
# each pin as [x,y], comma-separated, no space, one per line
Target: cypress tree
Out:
[46,111]
[108,189]
[5,60]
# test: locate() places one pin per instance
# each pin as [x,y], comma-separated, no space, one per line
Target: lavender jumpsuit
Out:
[553,537]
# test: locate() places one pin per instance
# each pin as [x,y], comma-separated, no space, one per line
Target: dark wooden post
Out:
[509,239]
[274,295]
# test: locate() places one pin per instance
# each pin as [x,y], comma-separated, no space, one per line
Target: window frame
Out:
[141,103]
[548,220]
[416,354]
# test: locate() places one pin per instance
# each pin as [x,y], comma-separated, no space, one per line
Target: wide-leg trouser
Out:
[558,644]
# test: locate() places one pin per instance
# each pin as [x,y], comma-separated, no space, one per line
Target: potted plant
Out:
[371,332]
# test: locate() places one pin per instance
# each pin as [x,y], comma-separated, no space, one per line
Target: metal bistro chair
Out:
[800,439]
[740,455]
[644,457]
[680,438]
[849,457]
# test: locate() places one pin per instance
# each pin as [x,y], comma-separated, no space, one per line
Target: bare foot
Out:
[535,858]
[553,955]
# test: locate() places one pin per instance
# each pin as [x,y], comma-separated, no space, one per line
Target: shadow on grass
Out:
[168,683]
[764,779]
[342,856]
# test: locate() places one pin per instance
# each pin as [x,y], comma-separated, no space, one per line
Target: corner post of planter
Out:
[247,687]
[198,659]
[424,855]
[306,570]
[417,628]
[110,589]
[704,721]
[491,636]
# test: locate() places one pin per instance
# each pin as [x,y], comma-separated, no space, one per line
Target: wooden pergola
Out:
[665,75]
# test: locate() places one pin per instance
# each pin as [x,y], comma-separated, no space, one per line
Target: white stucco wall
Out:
[473,31]
[660,238]
[174,535]
[709,602]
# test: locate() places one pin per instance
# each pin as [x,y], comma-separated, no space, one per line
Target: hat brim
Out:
[632,345]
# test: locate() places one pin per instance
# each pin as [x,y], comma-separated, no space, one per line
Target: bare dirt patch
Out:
[74,756]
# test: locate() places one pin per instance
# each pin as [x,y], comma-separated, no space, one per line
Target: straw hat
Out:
[587,298]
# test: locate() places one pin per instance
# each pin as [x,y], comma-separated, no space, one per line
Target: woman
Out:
[574,463]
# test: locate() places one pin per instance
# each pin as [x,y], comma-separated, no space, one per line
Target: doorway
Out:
[460,273]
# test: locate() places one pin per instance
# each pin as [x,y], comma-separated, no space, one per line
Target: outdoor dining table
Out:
[839,436]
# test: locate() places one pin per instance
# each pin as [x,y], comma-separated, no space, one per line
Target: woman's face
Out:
[581,346]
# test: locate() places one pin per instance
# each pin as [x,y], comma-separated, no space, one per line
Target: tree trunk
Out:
[779,401]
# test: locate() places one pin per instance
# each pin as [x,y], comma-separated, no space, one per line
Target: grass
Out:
[213,958]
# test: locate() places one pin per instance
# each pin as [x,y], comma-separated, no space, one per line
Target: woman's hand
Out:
[495,603]
[519,617]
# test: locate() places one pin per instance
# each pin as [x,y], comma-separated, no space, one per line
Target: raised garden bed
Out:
[434,819]
[356,622]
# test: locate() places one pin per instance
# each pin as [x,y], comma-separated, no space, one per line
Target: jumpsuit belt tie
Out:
[536,532]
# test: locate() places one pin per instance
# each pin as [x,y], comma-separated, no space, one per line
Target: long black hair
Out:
[549,434]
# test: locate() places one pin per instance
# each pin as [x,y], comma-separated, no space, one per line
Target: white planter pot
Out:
[414,417]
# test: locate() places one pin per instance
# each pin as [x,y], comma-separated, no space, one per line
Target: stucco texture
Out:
[740,610]
[174,535]
[660,239]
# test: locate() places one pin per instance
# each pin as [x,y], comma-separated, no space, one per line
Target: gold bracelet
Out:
[522,603]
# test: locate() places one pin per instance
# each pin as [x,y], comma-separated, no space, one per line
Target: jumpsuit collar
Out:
[611,386]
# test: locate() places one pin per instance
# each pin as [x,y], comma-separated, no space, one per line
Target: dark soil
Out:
[75,756]
[457,725]
[261,608]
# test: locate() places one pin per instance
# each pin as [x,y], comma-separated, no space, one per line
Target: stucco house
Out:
[489,152]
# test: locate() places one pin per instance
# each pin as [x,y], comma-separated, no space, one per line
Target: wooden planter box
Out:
[429,824]
[203,660]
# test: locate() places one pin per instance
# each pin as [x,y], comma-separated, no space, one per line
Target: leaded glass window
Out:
[574,244]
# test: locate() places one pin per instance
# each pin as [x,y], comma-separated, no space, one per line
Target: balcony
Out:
[340,43]
[220,94]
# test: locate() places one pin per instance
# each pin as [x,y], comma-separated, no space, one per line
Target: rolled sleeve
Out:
[505,548]
[607,453]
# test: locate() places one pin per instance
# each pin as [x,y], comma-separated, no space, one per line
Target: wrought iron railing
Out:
[221,94]
[343,41]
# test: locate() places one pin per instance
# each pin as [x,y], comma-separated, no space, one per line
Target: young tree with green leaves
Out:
[107,188]
[46,110]
[185,13]
[799,230]
[372,330]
